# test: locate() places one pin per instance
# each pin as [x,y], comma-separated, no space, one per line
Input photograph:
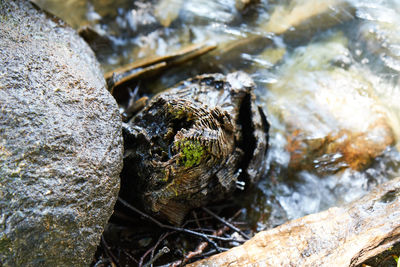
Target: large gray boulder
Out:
[60,142]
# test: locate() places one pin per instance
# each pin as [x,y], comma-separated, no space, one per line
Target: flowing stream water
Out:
[327,73]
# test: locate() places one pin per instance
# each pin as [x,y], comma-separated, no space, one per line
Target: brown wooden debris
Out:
[228,224]
[147,67]
[95,40]
[252,44]
[134,108]
[345,236]
[199,249]
[173,228]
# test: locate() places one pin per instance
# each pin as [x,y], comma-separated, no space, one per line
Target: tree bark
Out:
[345,236]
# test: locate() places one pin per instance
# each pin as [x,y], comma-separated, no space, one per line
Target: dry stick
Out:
[159,241]
[161,252]
[136,74]
[208,253]
[161,238]
[108,251]
[196,219]
[144,256]
[226,223]
[130,256]
[203,230]
[199,249]
[186,53]
[199,219]
[141,68]
[173,228]
[101,261]
[225,239]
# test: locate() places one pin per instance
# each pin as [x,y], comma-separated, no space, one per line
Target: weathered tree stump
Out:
[194,144]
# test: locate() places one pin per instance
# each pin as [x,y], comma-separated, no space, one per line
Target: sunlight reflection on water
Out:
[333,95]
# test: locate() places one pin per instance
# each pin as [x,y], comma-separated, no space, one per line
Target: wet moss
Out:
[179,112]
[192,152]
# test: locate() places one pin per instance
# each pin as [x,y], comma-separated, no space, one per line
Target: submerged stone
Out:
[166,11]
[193,143]
[332,115]
[61,145]
[300,19]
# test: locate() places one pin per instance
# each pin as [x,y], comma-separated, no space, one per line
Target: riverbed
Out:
[327,75]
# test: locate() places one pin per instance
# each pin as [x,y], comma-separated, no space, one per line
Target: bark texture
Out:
[193,144]
[345,236]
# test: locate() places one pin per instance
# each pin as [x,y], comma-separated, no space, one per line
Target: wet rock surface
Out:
[334,135]
[347,125]
[195,143]
[61,145]
[378,31]
[300,19]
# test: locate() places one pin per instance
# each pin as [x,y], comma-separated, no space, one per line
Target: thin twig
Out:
[162,237]
[159,241]
[107,250]
[130,256]
[196,220]
[226,223]
[225,239]
[161,252]
[199,219]
[209,253]
[150,66]
[203,230]
[170,227]
[199,249]
[144,256]
[101,261]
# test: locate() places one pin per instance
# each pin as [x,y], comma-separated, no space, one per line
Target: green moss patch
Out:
[192,152]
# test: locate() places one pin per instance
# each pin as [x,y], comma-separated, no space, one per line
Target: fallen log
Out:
[345,236]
